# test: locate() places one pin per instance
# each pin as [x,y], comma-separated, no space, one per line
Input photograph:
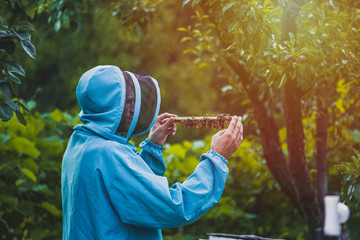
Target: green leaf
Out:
[253,13]
[29,105]
[30,164]
[14,66]
[184,39]
[39,188]
[355,135]
[14,78]
[19,182]
[57,25]
[13,105]
[22,35]
[51,208]
[266,2]
[24,146]
[20,118]
[250,216]
[269,76]
[4,86]
[339,104]
[22,105]
[30,12]
[275,20]
[29,48]
[57,115]
[233,25]
[312,31]
[4,138]
[6,113]
[4,34]
[283,80]
[14,88]
[29,174]
[350,191]
[27,28]
[357,192]
[266,53]
[226,7]
[332,4]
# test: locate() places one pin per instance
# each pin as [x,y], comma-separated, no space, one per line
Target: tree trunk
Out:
[321,149]
[269,134]
[297,159]
[295,137]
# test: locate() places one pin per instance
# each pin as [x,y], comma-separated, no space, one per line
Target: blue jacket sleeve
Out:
[152,155]
[142,198]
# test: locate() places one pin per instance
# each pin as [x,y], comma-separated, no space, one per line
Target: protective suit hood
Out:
[101,94]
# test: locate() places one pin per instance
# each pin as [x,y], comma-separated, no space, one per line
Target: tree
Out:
[296,53]
[10,68]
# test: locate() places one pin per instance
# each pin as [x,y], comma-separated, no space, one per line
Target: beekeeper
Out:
[111,191]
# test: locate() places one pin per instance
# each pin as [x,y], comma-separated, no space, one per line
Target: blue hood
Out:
[101,94]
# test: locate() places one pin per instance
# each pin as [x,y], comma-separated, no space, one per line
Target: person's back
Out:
[88,173]
[109,190]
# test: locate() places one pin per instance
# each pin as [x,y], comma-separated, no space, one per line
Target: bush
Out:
[30,169]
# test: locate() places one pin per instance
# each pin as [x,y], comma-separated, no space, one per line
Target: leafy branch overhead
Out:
[10,68]
[62,14]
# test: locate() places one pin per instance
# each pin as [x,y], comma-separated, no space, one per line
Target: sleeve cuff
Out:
[151,144]
[214,153]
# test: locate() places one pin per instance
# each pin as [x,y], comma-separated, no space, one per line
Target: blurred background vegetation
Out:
[185,46]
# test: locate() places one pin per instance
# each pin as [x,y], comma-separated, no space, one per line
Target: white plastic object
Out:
[344,212]
[336,213]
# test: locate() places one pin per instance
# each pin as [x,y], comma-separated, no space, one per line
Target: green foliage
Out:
[351,180]
[30,163]
[63,14]
[135,14]
[10,67]
[69,14]
[251,33]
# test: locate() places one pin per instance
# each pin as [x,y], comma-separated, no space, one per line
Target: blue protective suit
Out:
[110,191]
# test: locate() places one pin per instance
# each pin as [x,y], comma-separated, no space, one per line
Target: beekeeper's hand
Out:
[163,126]
[227,141]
